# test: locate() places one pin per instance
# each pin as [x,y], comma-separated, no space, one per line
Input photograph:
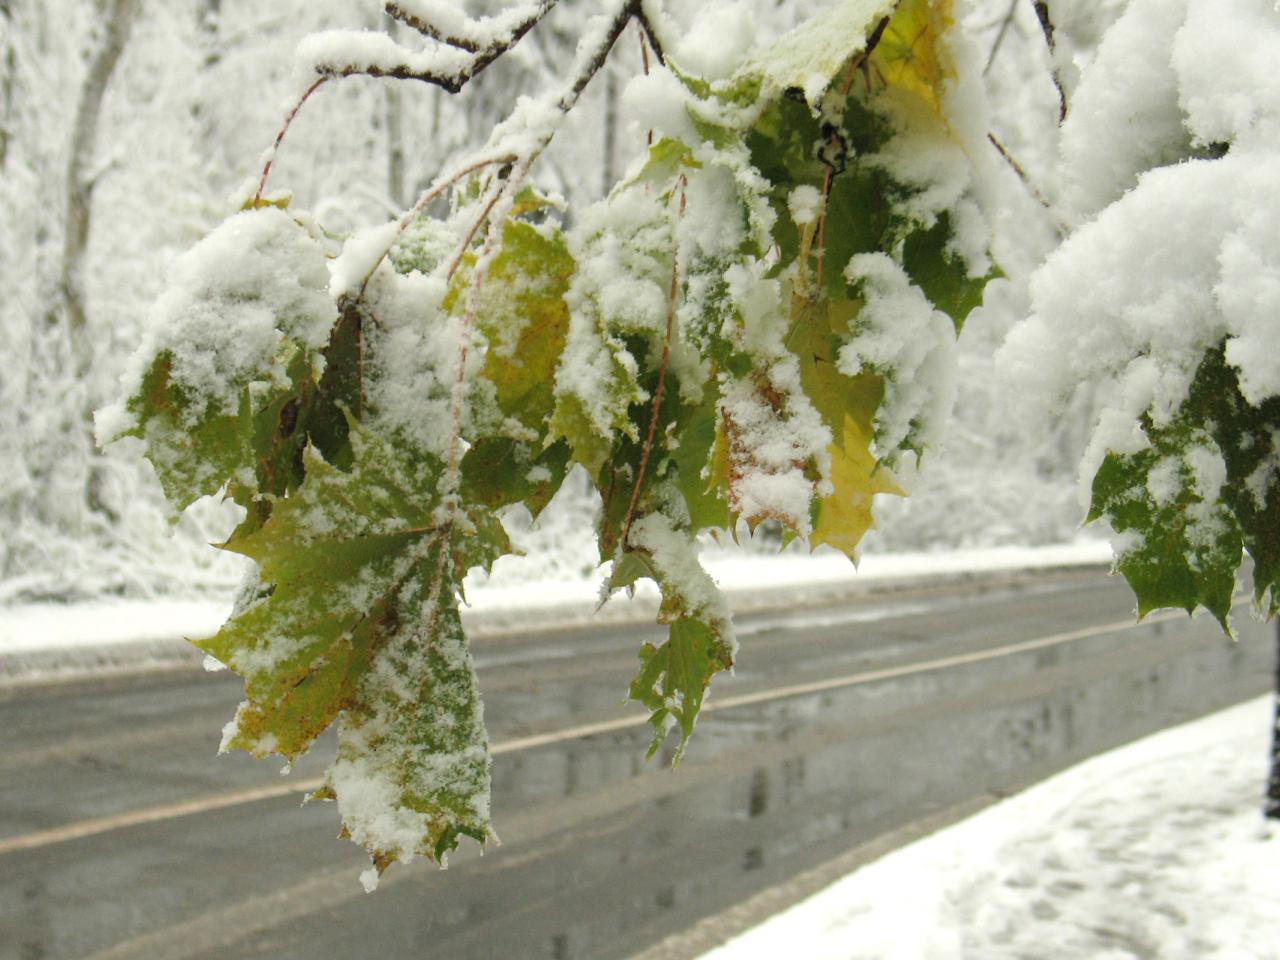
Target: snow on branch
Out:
[458,47]
[443,22]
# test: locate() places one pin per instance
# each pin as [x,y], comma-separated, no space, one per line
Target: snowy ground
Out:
[1155,850]
[516,596]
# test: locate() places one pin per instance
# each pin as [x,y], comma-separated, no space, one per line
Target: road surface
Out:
[122,836]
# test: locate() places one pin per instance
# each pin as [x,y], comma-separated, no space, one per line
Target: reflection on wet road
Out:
[841,724]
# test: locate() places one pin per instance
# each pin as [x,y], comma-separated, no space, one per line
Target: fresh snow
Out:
[516,595]
[1157,849]
[48,626]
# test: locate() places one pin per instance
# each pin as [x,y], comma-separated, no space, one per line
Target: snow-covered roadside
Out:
[1157,849]
[514,599]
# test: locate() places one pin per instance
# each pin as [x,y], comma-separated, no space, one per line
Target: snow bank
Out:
[1157,849]
[48,636]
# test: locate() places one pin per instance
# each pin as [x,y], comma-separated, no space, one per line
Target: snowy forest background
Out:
[128,128]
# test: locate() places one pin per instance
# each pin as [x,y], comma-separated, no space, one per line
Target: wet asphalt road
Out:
[842,723]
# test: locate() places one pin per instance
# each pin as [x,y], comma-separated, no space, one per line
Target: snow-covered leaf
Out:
[1205,486]
[356,618]
[233,360]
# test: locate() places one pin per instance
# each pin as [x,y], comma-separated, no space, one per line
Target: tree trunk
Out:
[8,67]
[609,160]
[81,177]
[1273,781]
[117,22]
[394,114]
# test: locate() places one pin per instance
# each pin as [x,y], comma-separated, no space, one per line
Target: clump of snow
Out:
[720,37]
[1186,259]
[658,102]
[372,808]
[811,54]
[773,435]
[900,335]
[411,358]
[1138,333]
[1248,287]
[1164,481]
[234,304]
[1225,56]
[1124,117]
[623,250]
[361,253]
[451,21]
[803,202]
[674,555]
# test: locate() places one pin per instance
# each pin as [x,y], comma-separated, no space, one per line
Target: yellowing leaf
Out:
[524,317]
[908,55]
[843,517]
[848,406]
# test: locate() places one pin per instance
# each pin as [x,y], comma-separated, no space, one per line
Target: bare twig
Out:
[494,196]
[593,63]
[429,30]
[644,62]
[1005,24]
[1018,169]
[651,35]
[1047,28]
[440,185]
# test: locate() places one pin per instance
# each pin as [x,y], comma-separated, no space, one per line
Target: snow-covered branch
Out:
[458,47]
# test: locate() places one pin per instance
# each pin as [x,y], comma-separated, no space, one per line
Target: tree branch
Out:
[482,53]
[1005,23]
[429,30]
[1018,169]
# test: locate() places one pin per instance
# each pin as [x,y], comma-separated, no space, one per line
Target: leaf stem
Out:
[288,121]
[660,389]
[431,193]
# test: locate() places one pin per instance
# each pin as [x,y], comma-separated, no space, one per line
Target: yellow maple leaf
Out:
[844,517]
[848,405]
[910,55]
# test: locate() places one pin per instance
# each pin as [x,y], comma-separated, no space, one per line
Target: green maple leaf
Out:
[357,619]
[500,471]
[1184,545]
[1185,551]
[196,448]
[674,675]
[941,274]
[1249,438]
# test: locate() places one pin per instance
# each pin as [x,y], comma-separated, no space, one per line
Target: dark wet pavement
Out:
[603,855]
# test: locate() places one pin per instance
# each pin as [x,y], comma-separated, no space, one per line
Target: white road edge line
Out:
[121,821]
